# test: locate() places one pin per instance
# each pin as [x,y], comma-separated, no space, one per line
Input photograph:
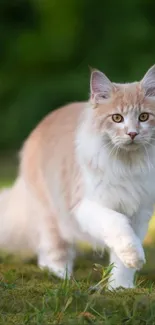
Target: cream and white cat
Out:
[87,172]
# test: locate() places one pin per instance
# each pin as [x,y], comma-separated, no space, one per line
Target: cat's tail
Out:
[16,226]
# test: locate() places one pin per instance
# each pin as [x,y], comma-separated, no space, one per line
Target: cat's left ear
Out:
[100,86]
[148,82]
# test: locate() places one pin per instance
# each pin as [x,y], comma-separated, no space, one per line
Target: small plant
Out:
[105,277]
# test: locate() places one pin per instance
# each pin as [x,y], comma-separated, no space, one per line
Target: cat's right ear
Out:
[148,82]
[100,86]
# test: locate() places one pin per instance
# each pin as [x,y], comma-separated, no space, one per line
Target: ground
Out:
[31,296]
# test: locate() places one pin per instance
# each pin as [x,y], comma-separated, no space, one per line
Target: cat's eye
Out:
[118,118]
[143,117]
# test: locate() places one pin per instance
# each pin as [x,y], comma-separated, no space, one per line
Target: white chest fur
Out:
[125,184]
[125,191]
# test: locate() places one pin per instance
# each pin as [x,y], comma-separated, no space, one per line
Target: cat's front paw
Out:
[132,255]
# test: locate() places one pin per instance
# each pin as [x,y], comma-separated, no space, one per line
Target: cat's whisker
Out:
[149,163]
[116,154]
[107,145]
[148,143]
[113,152]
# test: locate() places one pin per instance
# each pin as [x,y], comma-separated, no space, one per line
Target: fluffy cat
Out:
[87,172]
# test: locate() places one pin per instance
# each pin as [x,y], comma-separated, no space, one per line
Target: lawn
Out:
[31,296]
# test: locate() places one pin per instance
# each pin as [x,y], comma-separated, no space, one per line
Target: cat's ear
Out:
[100,86]
[148,82]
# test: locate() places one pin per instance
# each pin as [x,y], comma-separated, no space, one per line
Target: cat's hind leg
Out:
[54,253]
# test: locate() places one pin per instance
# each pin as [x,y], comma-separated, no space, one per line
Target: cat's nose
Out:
[132,135]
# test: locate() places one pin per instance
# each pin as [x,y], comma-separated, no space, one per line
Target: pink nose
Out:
[132,135]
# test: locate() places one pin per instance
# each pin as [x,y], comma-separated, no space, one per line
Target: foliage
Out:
[47,45]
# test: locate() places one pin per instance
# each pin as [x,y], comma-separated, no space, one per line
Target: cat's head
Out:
[124,113]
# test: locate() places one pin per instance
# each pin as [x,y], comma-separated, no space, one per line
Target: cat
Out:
[87,173]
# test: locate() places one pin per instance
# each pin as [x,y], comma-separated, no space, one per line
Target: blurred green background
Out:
[46,47]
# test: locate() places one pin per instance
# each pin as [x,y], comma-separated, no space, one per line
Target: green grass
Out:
[31,296]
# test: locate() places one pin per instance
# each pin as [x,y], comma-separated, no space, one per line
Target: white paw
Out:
[121,278]
[132,255]
[62,272]
[119,283]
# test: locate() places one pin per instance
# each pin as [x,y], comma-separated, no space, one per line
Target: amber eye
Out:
[117,118]
[143,117]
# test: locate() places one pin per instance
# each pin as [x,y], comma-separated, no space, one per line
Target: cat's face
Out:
[125,113]
[128,124]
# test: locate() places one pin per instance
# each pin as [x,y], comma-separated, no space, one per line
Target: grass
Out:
[31,296]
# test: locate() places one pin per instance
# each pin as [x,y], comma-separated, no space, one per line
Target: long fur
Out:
[81,177]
